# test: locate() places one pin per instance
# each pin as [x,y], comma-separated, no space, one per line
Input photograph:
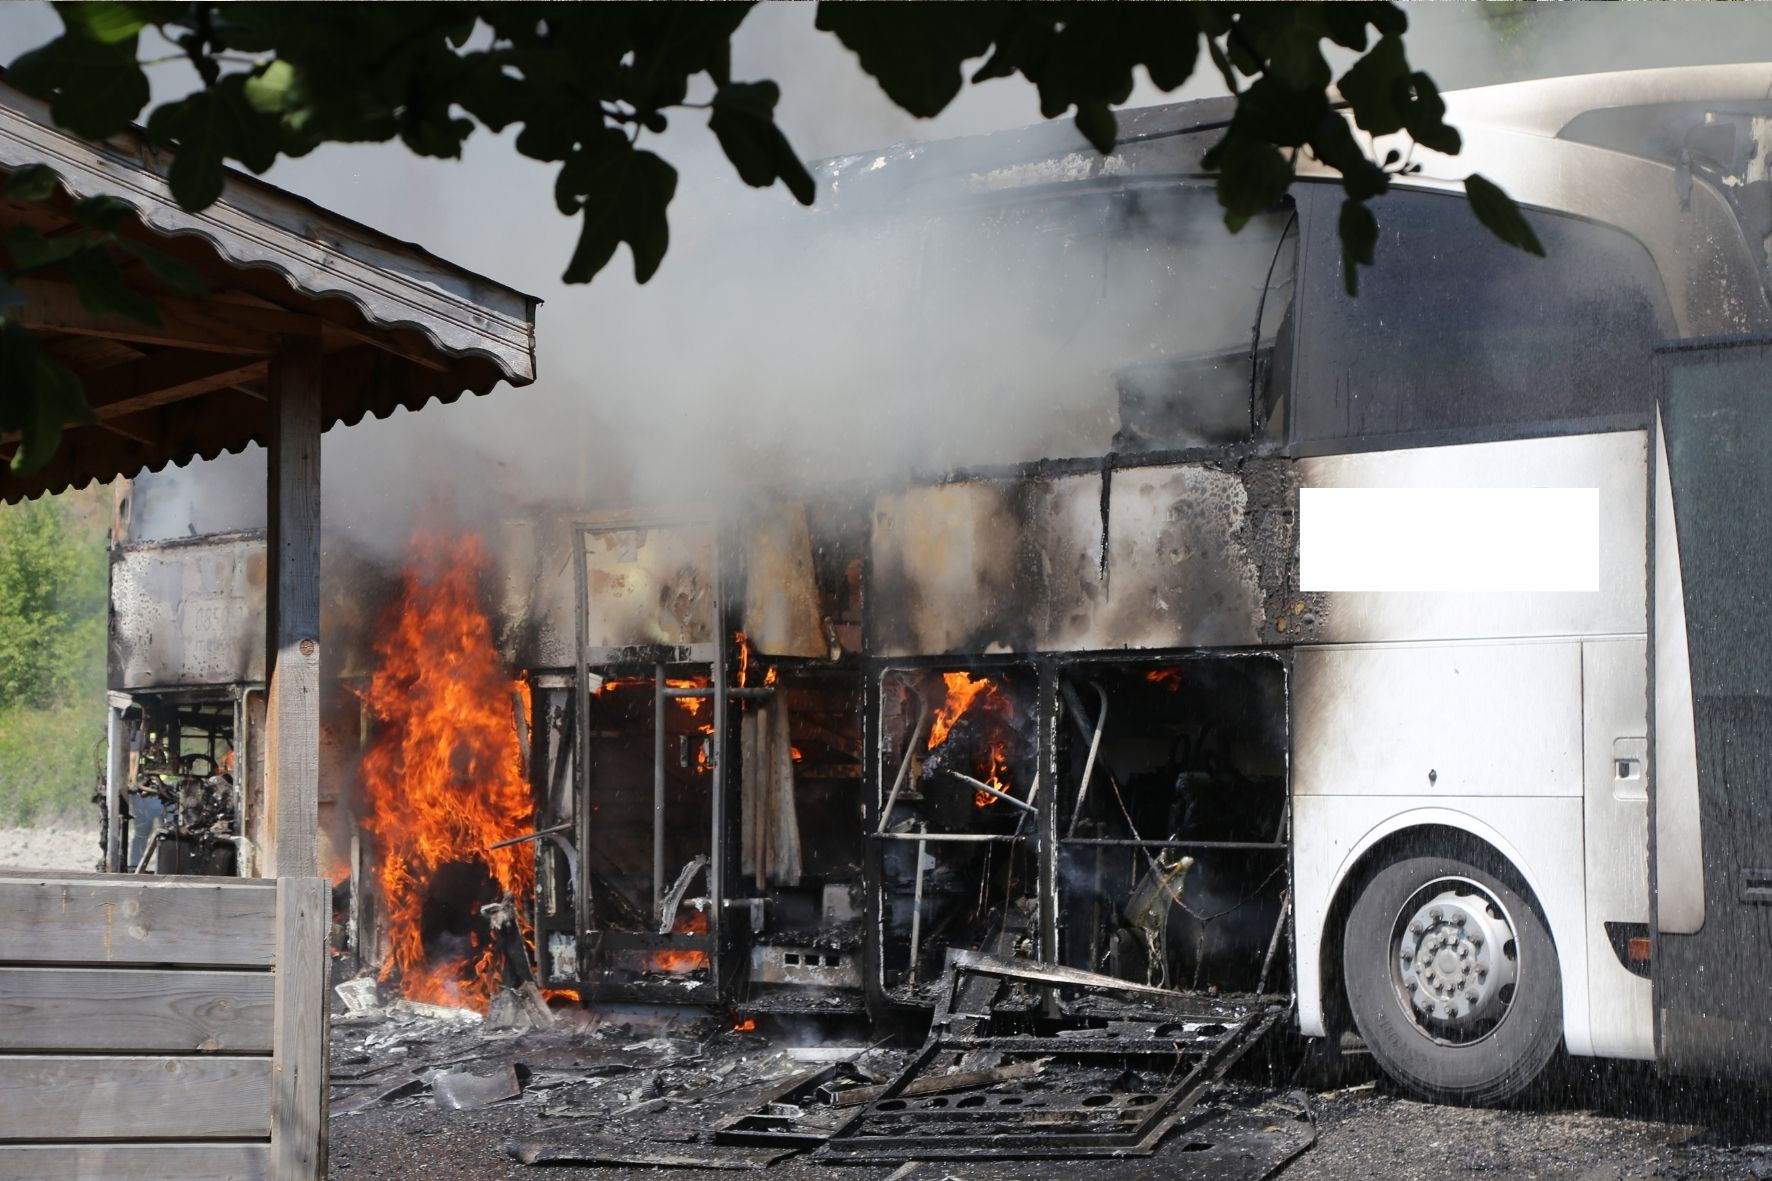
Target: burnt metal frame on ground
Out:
[1221,1039]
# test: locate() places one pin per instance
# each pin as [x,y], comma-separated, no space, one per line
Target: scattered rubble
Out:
[1110,1068]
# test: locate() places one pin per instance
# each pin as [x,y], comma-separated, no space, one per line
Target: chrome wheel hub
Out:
[1456,960]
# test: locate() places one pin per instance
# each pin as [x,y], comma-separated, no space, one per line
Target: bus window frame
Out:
[1320,199]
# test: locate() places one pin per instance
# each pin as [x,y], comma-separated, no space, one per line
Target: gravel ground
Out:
[67,846]
[1593,1122]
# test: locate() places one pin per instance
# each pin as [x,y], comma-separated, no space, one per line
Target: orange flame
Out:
[693,922]
[746,1026]
[1169,678]
[692,704]
[960,692]
[443,779]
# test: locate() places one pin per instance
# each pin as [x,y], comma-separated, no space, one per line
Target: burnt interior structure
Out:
[753,790]
[791,752]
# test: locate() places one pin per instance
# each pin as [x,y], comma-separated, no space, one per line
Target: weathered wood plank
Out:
[99,1097]
[292,611]
[128,920]
[161,880]
[135,1162]
[299,1094]
[132,1011]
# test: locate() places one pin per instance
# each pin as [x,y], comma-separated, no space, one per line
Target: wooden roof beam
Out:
[210,325]
[118,391]
[165,378]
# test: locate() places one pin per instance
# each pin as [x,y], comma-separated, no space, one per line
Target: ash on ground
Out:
[420,1091]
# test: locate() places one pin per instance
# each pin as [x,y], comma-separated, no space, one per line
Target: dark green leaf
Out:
[210,126]
[95,89]
[1359,238]
[1496,210]
[1096,122]
[744,123]
[1295,56]
[37,396]
[269,89]
[624,197]
[102,212]
[33,182]
[57,399]
[1425,118]
[102,291]
[18,374]
[103,21]
[1252,176]
[181,279]
[915,51]
[31,250]
[1376,86]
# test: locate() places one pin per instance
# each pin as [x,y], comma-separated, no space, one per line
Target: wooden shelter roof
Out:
[397,325]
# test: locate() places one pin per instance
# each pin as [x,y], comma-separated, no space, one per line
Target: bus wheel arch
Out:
[1437,949]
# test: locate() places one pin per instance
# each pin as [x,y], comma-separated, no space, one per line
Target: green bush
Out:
[53,599]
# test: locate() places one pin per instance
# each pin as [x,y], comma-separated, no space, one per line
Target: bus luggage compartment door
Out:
[1713,1006]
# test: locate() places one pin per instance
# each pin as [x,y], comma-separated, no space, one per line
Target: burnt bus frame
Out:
[653,659]
[1048,667]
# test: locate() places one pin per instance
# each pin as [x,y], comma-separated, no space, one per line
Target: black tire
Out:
[1498,1047]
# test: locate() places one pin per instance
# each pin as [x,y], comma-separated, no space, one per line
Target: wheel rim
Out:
[1455,961]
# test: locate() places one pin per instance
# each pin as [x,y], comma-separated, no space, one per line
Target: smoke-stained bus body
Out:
[1453,741]
[1395,653]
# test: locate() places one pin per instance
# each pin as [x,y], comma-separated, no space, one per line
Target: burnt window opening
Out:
[801,848]
[956,827]
[1077,320]
[1224,397]
[1173,849]
[620,748]
[180,808]
[1454,330]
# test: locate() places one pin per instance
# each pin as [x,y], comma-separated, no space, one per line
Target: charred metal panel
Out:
[648,586]
[948,569]
[532,560]
[781,602]
[188,613]
[1196,556]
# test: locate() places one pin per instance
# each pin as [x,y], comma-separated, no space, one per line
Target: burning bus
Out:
[1370,656]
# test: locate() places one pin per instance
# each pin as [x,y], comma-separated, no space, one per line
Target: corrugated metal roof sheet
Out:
[400,325]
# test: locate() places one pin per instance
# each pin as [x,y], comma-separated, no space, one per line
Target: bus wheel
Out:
[1452,979]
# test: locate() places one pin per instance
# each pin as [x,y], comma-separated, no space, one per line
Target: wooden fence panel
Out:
[133,1011]
[211,922]
[162,1027]
[135,1162]
[94,1097]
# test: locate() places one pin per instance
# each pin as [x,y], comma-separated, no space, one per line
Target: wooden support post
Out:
[292,612]
[299,1079]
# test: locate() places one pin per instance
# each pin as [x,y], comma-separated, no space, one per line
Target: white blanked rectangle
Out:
[1449,539]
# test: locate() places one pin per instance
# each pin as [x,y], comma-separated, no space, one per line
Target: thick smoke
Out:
[781,349]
